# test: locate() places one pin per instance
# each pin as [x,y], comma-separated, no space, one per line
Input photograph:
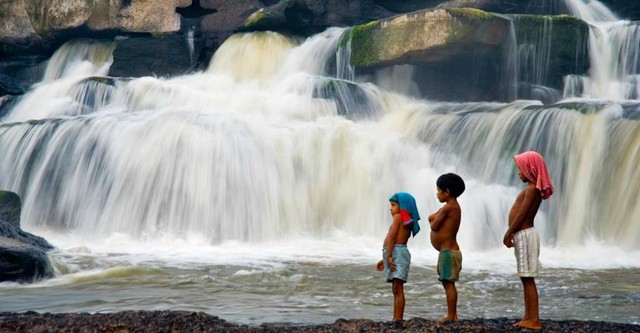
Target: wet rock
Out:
[21,261]
[162,55]
[23,255]
[629,10]
[48,15]
[10,207]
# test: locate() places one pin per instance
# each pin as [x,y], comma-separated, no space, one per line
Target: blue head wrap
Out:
[408,203]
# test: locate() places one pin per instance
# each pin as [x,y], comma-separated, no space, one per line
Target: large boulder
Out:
[40,26]
[16,30]
[23,255]
[51,15]
[23,262]
[425,36]
[150,16]
[463,54]
[10,207]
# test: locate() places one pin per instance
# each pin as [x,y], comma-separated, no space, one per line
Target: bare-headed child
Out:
[444,228]
[395,255]
[522,235]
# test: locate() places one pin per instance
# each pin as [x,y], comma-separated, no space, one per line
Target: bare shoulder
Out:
[452,208]
[531,191]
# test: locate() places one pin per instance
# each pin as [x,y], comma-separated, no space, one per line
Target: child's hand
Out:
[380,266]
[392,265]
[508,240]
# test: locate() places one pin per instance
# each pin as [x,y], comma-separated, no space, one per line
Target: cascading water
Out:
[67,88]
[613,47]
[270,173]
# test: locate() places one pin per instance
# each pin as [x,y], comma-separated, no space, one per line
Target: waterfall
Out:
[79,59]
[257,56]
[591,10]
[529,68]
[73,83]
[190,39]
[271,142]
[613,46]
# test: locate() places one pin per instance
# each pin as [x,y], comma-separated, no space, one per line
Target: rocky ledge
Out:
[182,321]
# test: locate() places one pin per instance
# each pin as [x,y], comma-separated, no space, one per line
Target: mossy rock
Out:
[425,36]
[266,19]
[9,198]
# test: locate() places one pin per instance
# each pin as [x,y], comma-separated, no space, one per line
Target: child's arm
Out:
[392,237]
[433,216]
[439,218]
[516,224]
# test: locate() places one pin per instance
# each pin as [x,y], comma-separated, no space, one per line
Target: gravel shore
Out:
[182,321]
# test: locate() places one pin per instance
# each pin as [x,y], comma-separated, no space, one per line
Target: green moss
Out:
[363,46]
[8,197]
[254,18]
[470,14]
[261,17]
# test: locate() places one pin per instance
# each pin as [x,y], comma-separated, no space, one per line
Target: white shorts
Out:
[526,245]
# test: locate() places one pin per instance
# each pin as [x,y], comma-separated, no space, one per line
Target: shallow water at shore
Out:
[320,290]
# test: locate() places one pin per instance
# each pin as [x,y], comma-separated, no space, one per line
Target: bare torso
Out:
[443,234]
[527,209]
[402,237]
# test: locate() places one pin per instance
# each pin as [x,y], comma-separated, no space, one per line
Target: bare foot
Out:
[529,324]
[445,319]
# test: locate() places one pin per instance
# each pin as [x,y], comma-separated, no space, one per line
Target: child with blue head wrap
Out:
[408,210]
[396,258]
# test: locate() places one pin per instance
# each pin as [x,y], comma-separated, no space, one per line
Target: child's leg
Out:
[452,301]
[531,318]
[397,287]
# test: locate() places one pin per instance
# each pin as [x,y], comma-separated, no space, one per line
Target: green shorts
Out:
[449,265]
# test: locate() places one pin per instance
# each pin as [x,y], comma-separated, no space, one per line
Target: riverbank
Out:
[183,321]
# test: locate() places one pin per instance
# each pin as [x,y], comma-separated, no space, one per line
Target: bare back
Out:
[444,227]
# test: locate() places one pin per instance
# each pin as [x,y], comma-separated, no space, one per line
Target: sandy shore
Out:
[182,321]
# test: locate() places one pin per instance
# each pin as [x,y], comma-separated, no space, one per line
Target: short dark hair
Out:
[452,183]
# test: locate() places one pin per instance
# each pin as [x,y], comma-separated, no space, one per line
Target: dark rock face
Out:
[628,10]
[19,73]
[183,321]
[23,255]
[22,262]
[10,207]
[165,55]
